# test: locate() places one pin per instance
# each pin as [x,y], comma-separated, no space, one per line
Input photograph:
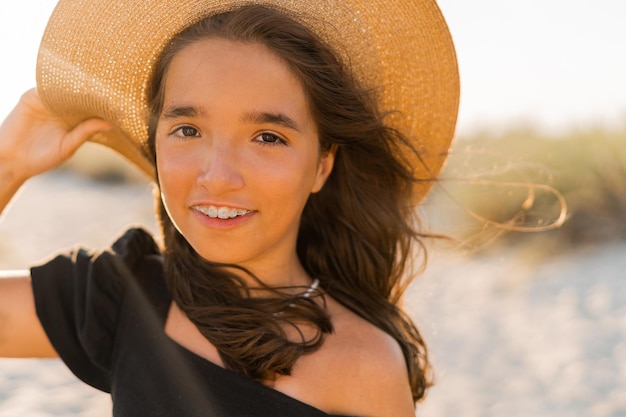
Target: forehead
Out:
[249,71]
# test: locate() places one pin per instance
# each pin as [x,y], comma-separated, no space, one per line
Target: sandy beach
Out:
[510,335]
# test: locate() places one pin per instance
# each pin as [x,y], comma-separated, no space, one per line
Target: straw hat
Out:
[96,60]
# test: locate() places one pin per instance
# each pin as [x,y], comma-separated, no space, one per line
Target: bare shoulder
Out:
[370,372]
[360,370]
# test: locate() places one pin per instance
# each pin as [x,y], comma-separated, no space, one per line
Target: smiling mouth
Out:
[221,212]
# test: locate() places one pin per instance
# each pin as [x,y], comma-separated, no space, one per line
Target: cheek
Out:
[288,182]
[173,179]
[175,162]
[168,195]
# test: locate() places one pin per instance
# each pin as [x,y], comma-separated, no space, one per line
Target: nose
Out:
[221,171]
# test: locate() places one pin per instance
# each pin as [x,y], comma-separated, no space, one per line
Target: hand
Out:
[33,140]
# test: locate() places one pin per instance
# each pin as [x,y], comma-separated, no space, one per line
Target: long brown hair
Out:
[358,235]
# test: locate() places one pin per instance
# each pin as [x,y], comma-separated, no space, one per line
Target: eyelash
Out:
[276,139]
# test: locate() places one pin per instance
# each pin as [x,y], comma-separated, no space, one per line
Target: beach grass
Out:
[515,186]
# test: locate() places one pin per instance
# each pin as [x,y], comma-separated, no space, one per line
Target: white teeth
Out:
[221,212]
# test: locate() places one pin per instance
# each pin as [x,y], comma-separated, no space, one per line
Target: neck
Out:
[276,269]
[277,275]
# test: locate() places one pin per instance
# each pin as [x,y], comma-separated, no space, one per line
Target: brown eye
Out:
[267,138]
[188,131]
[185,132]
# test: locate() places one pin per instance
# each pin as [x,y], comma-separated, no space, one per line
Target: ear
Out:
[324,168]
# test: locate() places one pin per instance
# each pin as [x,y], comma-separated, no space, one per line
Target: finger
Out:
[82,132]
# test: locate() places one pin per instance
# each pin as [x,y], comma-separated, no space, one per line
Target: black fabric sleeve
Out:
[78,298]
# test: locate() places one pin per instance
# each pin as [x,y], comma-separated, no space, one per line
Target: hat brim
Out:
[96,60]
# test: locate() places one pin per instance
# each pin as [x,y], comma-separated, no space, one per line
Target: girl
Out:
[287,190]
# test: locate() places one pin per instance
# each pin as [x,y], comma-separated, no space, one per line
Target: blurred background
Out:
[522,317]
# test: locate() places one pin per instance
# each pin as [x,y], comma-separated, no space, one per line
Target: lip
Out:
[205,203]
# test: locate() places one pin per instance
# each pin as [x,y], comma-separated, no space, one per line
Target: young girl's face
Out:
[237,153]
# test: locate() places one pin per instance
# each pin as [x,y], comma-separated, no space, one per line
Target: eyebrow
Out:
[175,112]
[258,117]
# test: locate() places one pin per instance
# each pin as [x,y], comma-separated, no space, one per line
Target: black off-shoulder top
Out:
[104,312]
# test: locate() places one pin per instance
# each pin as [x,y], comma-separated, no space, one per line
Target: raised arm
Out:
[32,141]
[21,334]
